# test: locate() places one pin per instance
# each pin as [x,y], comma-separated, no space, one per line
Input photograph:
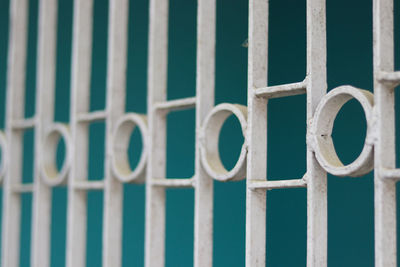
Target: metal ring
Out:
[51,176]
[120,162]
[3,162]
[210,157]
[322,126]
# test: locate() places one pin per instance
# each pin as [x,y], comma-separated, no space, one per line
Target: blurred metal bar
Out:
[157,88]
[16,74]
[116,83]
[80,94]
[174,183]
[175,105]
[45,105]
[92,116]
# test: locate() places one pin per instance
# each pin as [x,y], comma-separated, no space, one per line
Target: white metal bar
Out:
[389,77]
[205,83]
[23,124]
[80,90]
[116,83]
[390,174]
[315,84]
[175,105]
[92,116]
[45,114]
[282,90]
[157,77]
[14,111]
[86,185]
[173,183]
[385,189]
[23,188]
[317,247]
[277,184]
[256,133]
[156,184]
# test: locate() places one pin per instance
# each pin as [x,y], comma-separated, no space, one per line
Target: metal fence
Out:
[378,153]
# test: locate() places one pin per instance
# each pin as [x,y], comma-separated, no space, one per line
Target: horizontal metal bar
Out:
[22,188]
[23,124]
[389,77]
[277,184]
[173,183]
[92,116]
[179,104]
[282,90]
[88,185]
[390,173]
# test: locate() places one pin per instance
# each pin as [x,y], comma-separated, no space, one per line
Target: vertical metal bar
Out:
[81,71]
[256,133]
[205,82]
[44,114]
[316,176]
[15,96]
[155,196]
[385,190]
[157,80]
[116,83]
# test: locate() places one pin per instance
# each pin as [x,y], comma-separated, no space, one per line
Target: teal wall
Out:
[350,219]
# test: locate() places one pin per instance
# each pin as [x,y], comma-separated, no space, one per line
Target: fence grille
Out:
[378,153]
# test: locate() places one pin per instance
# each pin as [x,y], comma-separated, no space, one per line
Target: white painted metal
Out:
[120,142]
[321,130]
[116,147]
[209,138]
[156,84]
[48,169]
[116,81]
[14,113]
[158,108]
[316,177]
[45,93]
[3,148]
[80,90]
[322,109]
[17,124]
[385,79]
[314,85]
[282,90]
[257,132]
[205,82]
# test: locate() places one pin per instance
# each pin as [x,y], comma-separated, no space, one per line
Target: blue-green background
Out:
[350,210]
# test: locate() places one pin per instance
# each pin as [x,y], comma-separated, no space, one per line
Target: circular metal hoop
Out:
[50,175]
[3,162]
[120,162]
[322,126]
[210,158]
